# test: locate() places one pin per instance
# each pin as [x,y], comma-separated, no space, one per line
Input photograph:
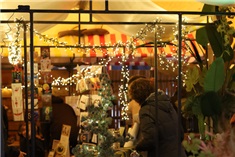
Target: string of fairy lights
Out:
[128,49]
[14,47]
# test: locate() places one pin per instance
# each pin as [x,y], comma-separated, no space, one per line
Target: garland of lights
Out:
[123,89]
[80,47]
[129,47]
[14,55]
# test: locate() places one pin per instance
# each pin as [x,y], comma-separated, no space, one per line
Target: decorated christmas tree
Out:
[97,122]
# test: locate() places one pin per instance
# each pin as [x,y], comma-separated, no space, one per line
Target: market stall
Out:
[163,40]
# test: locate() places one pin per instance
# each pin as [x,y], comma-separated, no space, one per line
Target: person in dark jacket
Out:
[166,121]
[62,113]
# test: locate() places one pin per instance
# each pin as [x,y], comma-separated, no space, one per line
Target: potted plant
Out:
[210,86]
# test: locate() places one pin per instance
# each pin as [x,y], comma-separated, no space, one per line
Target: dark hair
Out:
[135,77]
[140,89]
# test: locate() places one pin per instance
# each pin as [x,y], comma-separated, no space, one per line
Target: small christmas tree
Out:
[97,122]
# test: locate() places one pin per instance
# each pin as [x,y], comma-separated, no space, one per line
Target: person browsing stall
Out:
[142,91]
[133,106]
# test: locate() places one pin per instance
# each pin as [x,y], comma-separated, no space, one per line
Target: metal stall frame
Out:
[90,22]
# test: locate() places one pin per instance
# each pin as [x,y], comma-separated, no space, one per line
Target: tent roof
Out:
[140,5]
[130,30]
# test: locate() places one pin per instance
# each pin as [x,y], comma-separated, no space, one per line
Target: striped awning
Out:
[99,46]
[112,45]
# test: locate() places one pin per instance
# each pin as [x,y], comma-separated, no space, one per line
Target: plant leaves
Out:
[197,56]
[230,78]
[192,78]
[215,76]
[228,53]
[189,86]
[201,36]
[202,76]
[210,104]
[215,39]
[216,42]
[201,125]
[192,106]
[208,8]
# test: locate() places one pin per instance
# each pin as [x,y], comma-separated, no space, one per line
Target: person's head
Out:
[132,79]
[140,89]
[22,129]
[135,77]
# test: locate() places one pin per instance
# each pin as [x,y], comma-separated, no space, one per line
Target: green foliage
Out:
[192,145]
[82,152]
[209,8]
[193,50]
[215,76]
[193,107]
[216,99]
[230,79]
[218,34]
[192,78]
[201,126]
[201,34]
[202,76]
[215,39]
[219,43]
[201,37]
[210,104]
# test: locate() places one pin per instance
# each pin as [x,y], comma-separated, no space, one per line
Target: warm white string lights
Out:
[123,89]
[14,48]
[127,49]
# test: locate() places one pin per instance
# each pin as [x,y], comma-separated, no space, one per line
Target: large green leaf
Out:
[208,8]
[215,76]
[210,104]
[202,76]
[197,55]
[192,78]
[201,36]
[228,53]
[215,39]
[217,43]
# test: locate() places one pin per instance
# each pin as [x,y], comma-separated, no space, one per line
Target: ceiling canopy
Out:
[131,5]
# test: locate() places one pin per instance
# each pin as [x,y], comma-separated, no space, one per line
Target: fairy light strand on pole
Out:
[14,48]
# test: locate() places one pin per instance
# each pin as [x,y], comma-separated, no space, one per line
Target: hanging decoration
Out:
[17,102]
[14,48]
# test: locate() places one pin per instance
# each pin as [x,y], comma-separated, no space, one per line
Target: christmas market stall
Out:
[81,54]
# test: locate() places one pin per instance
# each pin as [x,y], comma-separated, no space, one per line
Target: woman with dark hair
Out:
[142,91]
[133,106]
